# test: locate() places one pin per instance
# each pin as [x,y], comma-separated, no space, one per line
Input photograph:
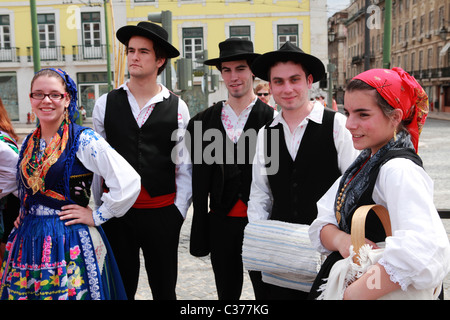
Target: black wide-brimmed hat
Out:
[151,31]
[234,49]
[288,52]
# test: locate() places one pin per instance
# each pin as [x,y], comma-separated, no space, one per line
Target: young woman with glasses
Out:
[57,249]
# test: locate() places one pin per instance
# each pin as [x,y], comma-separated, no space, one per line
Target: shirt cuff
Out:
[395,276]
[100,217]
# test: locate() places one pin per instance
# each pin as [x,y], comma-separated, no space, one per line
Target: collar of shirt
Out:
[294,139]
[234,124]
[141,115]
[315,115]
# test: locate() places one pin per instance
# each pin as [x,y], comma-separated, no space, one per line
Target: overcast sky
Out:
[336,5]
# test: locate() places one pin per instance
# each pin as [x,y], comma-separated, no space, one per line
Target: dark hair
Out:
[160,53]
[249,63]
[48,73]
[288,59]
[5,122]
[385,107]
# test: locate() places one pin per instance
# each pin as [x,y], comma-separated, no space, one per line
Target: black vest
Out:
[374,229]
[148,149]
[299,184]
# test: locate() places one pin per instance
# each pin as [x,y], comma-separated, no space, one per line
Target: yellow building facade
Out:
[72,36]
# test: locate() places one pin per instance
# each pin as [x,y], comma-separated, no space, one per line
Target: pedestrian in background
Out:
[226,182]
[57,251]
[314,148]
[262,90]
[386,110]
[140,120]
[83,112]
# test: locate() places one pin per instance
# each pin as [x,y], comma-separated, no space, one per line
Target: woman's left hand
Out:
[77,214]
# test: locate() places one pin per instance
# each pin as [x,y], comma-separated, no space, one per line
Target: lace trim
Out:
[395,275]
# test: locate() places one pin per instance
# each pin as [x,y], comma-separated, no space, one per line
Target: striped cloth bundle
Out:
[283,252]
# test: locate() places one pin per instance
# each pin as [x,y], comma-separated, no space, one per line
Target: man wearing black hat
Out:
[226,180]
[315,148]
[138,120]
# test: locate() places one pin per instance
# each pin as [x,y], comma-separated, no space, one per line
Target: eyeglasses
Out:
[52,96]
[259,94]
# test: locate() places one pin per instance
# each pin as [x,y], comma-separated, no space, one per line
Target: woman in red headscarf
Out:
[386,110]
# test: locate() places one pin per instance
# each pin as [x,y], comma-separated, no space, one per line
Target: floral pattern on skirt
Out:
[47,260]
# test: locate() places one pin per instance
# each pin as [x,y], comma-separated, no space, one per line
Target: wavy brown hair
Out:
[5,123]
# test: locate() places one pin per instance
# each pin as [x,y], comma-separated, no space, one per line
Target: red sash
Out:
[144,200]
[239,210]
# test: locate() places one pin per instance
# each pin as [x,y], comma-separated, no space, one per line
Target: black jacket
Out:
[228,178]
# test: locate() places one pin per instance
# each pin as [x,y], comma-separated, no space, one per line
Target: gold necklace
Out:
[36,180]
[339,202]
[341,198]
[36,172]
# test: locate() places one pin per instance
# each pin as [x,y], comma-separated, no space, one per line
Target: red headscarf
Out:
[403,92]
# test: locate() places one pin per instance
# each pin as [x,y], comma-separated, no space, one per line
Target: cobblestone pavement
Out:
[195,276]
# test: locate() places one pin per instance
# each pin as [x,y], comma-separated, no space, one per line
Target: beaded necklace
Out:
[341,198]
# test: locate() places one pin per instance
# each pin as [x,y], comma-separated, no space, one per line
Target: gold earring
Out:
[66,114]
[395,134]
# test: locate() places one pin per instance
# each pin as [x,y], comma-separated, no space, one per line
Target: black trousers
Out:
[157,233]
[227,234]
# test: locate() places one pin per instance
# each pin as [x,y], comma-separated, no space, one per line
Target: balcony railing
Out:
[431,73]
[357,59]
[56,53]
[9,54]
[84,52]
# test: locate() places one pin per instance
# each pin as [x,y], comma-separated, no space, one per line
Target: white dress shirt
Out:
[183,169]
[261,200]
[418,252]
[234,124]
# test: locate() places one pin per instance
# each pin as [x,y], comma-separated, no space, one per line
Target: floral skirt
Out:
[47,260]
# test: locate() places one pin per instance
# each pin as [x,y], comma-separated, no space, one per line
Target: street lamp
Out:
[331,67]
[331,35]
[443,31]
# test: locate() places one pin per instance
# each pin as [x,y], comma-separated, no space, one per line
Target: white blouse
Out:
[418,252]
[8,170]
[123,181]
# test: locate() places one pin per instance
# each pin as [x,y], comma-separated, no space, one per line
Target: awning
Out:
[444,49]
